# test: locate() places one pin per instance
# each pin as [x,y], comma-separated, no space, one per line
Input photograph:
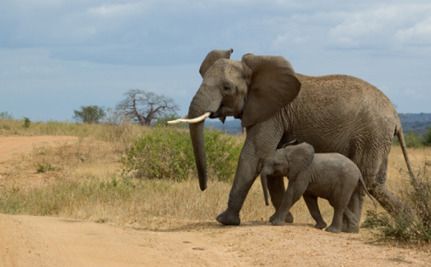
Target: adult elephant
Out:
[335,113]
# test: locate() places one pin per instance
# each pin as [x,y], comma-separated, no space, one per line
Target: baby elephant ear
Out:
[273,85]
[212,57]
[299,158]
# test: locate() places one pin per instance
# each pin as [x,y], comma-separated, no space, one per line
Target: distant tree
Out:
[6,116]
[89,114]
[427,137]
[144,107]
[27,122]
[413,140]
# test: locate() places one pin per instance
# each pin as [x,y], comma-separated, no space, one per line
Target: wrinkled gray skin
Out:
[331,176]
[335,113]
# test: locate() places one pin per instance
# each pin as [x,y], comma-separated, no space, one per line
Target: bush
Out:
[26,122]
[6,116]
[89,114]
[167,153]
[406,227]
[427,137]
[413,140]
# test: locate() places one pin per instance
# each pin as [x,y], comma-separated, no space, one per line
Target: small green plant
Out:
[26,122]
[408,227]
[44,167]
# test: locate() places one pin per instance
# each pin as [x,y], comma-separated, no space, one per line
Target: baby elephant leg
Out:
[352,222]
[276,191]
[337,220]
[313,208]
[291,196]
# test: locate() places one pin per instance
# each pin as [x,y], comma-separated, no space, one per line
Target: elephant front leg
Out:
[293,193]
[237,197]
[261,140]
[276,190]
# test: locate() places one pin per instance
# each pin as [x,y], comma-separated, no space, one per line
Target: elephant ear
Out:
[299,158]
[212,57]
[273,85]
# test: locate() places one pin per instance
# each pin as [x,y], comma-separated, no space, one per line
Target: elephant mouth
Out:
[225,111]
[218,115]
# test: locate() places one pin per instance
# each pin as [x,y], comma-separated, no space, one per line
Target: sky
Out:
[58,55]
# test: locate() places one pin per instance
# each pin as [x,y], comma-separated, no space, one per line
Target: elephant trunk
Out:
[197,136]
[204,101]
[264,181]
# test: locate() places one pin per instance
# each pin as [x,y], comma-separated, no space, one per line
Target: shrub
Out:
[44,167]
[413,140]
[407,227]
[6,116]
[167,153]
[427,137]
[26,122]
[89,114]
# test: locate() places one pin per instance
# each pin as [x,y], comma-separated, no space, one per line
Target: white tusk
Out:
[195,120]
[178,120]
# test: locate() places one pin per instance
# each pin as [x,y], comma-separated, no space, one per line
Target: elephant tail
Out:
[367,192]
[400,136]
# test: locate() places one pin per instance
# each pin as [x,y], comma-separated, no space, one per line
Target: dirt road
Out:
[48,241]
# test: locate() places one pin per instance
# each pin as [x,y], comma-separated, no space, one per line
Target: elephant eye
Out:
[226,87]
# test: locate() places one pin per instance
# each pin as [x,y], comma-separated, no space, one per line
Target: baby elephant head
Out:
[288,161]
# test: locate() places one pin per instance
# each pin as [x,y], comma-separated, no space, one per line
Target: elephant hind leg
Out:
[353,223]
[355,206]
[313,207]
[391,203]
[337,221]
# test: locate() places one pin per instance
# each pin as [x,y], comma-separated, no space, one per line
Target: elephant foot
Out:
[276,219]
[333,229]
[228,218]
[350,229]
[320,225]
[289,218]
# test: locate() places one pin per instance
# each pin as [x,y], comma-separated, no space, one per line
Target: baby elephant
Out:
[327,175]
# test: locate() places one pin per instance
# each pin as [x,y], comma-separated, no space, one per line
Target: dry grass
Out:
[85,183]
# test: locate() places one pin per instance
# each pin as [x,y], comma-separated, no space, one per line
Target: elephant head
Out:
[288,161]
[253,90]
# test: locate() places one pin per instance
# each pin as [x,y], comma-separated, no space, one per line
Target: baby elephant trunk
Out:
[264,180]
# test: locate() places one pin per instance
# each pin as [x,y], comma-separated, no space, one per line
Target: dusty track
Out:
[48,241]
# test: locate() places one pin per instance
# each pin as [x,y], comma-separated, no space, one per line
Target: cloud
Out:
[388,27]
[116,10]
[417,35]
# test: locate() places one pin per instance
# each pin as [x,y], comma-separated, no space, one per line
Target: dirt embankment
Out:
[48,241]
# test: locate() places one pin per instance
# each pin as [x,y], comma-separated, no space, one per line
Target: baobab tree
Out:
[144,107]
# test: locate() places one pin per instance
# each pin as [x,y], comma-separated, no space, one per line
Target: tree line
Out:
[140,106]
